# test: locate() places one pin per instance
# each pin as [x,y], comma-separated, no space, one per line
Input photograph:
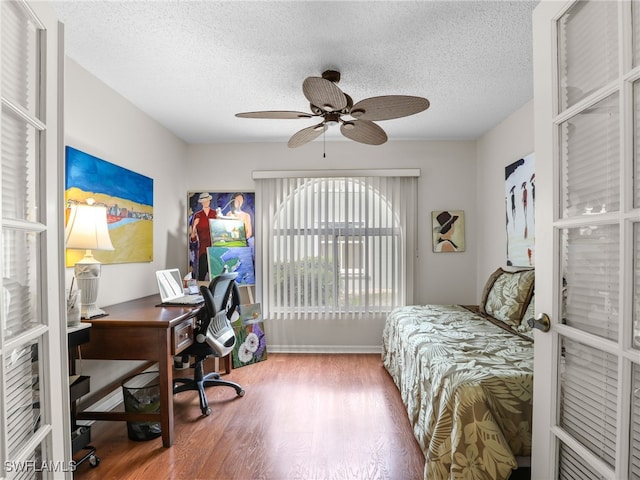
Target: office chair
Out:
[213,335]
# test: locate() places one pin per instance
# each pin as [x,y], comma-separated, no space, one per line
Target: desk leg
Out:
[166,391]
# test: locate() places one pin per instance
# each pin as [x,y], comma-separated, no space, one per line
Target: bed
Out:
[465,375]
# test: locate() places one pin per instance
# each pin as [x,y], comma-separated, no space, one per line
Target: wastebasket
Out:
[141,394]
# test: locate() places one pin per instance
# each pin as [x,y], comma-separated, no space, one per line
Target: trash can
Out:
[141,394]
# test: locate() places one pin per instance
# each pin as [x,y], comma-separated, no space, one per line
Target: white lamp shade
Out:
[87,228]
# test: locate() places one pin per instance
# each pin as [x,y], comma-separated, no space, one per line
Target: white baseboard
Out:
[324,349]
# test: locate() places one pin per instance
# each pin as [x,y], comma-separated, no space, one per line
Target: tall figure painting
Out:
[221,226]
[520,200]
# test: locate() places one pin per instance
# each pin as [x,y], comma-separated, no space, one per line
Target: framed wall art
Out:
[448,231]
[220,234]
[520,200]
[128,197]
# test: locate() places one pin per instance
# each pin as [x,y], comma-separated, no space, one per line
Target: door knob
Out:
[541,322]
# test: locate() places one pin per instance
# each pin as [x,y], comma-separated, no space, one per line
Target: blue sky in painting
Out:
[92,174]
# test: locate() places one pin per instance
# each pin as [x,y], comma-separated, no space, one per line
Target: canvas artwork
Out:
[128,197]
[251,344]
[227,232]
[223,221]
[232,259]
[520,200]
[448,231]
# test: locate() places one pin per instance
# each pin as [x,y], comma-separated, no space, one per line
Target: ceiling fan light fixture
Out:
[331,119]
[358,112]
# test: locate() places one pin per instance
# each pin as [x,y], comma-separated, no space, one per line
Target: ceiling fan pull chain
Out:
[324,143]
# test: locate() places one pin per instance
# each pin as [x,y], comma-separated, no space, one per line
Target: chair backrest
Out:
[221,299]
[224,290]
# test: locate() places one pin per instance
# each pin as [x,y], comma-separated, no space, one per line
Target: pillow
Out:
[524,327]
[510,296]
[530,311]
[487,288]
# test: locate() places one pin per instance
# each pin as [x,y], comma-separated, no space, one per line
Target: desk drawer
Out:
[182,335]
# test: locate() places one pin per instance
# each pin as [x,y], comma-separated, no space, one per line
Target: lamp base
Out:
[91,311]
[87,273]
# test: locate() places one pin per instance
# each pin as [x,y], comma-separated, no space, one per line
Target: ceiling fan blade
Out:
[388,106]
[306,135]
[324,94]
[277,114]
[364,131]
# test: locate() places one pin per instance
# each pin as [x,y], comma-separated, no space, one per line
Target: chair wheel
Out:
[206,411]
[94,461]
[241,393]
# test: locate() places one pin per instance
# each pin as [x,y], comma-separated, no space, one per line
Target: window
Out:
[335,245]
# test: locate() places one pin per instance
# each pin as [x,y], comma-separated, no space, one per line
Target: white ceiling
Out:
[192,65]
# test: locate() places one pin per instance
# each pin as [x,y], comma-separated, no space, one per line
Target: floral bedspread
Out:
[467,385]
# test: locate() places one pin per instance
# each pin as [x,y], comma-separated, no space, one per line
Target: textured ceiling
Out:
[192,65]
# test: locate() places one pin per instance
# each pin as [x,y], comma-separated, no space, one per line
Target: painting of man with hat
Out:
[200,235]
[448,231]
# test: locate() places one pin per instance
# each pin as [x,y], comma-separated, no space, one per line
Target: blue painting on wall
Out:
[128,198]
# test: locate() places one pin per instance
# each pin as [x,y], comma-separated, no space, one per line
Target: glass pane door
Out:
[33,438]
[587,117]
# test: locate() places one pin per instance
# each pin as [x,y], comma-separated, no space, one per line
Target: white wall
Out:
[447,182]
[509,141]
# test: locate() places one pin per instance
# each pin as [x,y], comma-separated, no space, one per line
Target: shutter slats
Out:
[590,159]
[21,395]
[636,100]
[587,54]
[591,162]
[589,398]
[591,271]
[634,461]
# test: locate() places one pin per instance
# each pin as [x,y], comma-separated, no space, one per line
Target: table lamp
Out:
[87,230]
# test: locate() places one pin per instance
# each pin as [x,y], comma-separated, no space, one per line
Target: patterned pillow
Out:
[487,288]
[530,311]
[524,327]
[510,296]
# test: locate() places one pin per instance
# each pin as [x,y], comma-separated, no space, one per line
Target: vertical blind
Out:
[336,246]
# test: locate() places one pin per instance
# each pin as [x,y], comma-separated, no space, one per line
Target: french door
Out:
[587,130]
[34,412]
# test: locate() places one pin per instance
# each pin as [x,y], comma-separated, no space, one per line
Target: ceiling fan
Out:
[331,104]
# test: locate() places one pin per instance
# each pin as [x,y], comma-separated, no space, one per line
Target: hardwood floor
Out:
[304,416]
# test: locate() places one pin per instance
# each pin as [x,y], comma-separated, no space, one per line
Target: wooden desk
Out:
[138,330]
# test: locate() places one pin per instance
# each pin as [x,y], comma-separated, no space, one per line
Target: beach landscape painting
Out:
[128,197]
